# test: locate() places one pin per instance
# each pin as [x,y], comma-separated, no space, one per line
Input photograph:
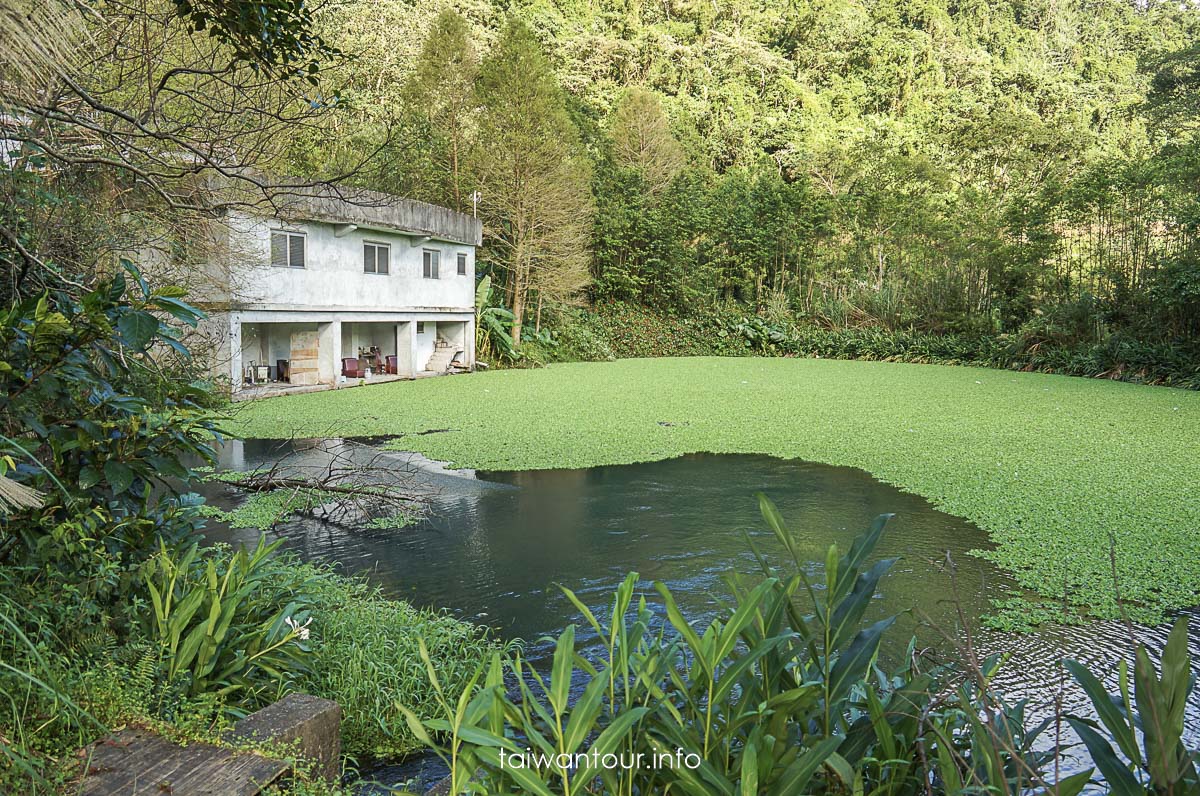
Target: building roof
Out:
[380,211]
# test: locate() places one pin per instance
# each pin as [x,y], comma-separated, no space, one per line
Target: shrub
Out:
[99,415]
[365,656]
[261,625]
[220,624]
[1117,357]
[619,330]
[881,345]
[581,338]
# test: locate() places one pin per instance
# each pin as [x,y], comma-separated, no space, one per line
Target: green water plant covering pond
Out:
[1052,467]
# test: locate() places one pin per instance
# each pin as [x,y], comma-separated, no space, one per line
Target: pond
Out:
[497,545]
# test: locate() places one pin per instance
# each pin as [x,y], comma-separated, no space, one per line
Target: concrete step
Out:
[441,359]
[138,762]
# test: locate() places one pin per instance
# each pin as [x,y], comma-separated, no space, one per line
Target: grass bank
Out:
[1050,466]
[72,687]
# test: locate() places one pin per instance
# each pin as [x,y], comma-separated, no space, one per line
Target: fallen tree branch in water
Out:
[344,490]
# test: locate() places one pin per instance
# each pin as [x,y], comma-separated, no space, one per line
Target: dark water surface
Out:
[497,544]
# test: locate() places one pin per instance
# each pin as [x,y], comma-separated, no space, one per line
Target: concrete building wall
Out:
[326,311]
[267,343]
[279,339]
[333,276]
[357,336]
[254,343]
[425,341]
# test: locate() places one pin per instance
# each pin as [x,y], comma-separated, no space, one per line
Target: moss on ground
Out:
[1051,466]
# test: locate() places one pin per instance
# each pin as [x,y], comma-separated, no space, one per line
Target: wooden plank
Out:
[137,762]
[304,367]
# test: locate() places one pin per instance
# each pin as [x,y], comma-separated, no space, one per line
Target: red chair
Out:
[392,365]
[351,370]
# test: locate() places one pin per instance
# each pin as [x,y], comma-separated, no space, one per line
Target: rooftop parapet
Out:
[294,200]
[375,210]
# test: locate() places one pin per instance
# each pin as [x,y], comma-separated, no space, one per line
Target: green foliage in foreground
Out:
[109,615]
[217,621]
[99,428]
[247,627]
[1050,466]
[770,699]
[366,658]
[207,657]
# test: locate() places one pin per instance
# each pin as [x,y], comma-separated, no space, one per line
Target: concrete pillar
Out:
[329,352]
[469,343]
[235,351]
[231,455]
[406,349]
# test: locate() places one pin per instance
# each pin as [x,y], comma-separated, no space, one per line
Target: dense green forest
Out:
[979,168]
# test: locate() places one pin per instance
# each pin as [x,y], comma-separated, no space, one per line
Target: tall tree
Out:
[440,96]
[642,139]
[537,202]
[121,117]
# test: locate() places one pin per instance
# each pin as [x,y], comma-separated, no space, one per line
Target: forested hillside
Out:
[973,168]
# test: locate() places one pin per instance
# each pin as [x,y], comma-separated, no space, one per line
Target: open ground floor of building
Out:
[284,350]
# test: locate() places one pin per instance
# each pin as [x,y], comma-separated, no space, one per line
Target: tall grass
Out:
[31,697]
[360,649]
[365,656]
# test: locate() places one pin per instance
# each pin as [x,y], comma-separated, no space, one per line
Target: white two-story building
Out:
[328,288]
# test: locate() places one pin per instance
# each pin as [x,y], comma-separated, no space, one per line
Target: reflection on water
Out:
[497,545]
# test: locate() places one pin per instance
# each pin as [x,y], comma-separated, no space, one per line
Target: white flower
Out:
[301,630]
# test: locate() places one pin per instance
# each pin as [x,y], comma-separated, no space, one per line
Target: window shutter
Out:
[462,264]
[381,258]
[296,251]
[279,256]
[368,258]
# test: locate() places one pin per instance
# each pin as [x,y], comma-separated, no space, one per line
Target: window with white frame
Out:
[375,258]
[420,327]
[462,264]
[431,259]
[287,249]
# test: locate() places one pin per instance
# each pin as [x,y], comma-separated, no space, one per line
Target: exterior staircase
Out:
[443,355]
